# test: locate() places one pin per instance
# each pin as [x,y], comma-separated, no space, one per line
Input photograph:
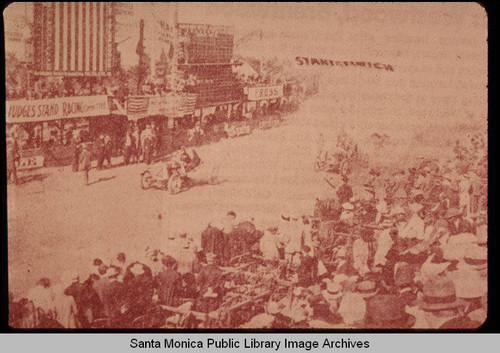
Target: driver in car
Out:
[183,159]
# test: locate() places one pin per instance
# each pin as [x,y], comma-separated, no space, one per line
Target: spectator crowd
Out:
[410,251]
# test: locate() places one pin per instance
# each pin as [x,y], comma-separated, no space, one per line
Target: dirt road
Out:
[56,223]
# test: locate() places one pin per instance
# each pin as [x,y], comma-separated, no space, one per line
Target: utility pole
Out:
[140,51]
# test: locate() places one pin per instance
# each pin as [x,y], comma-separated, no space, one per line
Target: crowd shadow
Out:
[102,179]
[25,179]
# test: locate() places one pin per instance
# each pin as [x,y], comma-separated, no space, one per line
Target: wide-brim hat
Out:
[352,307]
[415,207]
[210,293]
[468,283]
[332,291]
[111,272]
[482,234]
[404,274]
[387,311]
[298,291]
[274,308]
[382,207]
[397,210]
[259,321]
[439,293]
[387,223]
[348,206]
[319,324]
[457,246]
[477,257]
[137,269]
[367,289]
[210,257]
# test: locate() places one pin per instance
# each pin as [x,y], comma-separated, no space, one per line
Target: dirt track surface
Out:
[58,224]
[55,223]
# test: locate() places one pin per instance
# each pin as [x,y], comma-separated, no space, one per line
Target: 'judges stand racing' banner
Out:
[267,92]
[23,111]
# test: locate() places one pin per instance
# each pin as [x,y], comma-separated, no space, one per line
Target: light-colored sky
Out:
[438,50]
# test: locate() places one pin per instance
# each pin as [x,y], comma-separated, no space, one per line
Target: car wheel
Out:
[146,180]
[175,184]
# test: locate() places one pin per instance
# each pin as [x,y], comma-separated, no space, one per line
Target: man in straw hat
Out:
[367,289]
[85,162]
[437,304]
[475,258]
[471,288]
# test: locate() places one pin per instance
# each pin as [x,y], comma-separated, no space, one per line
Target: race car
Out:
[172,172]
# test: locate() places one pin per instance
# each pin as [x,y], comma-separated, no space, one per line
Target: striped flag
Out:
[73,38]
[188,104]
[137,105]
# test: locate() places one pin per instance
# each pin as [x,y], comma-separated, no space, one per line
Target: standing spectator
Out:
[129,148]
[212,241]
[85,162]
[196,134]
[75,148]
[37,131]
[209,281]
[101,151]
[137,149]
[344,192]
[167,282]
[12,158]
[138,289]
[154,139]
[147,144]
[108,148]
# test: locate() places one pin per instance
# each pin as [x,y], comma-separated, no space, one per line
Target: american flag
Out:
[137,105]
[187,104]
[73,38]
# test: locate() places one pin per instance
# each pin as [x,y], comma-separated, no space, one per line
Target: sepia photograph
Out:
[246,165]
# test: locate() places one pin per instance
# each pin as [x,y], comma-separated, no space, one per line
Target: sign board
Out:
[238,129]
[267,92]
[267,124]
[22,111]
[30,162]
